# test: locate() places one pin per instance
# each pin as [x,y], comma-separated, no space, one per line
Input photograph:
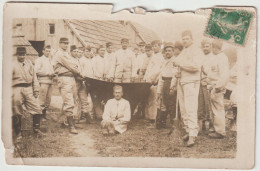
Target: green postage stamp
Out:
[230,25]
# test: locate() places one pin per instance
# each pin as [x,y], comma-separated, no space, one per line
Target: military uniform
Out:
[167,104]
[24,85]
[67,67]
[45,73]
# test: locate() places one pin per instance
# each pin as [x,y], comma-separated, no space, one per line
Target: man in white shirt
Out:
[117,113]
[178,47]
[86,63]
[80,52]
[99,64]
[123,66]
[45,73]
[217,70]
[189,63]
[109,57]
[152,76]
[140,57]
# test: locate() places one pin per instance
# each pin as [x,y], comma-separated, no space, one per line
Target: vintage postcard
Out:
[83,86]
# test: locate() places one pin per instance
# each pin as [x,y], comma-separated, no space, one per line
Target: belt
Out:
[23,85]
[66,74]
[166,78]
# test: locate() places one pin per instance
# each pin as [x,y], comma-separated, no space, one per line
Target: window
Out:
[51,28]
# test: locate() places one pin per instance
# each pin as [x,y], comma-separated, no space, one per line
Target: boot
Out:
[44,119]
[191,141]
[37,125]
[158,120]
[88,118]
[185,137]
[164,118]
[17,124]
[72,125]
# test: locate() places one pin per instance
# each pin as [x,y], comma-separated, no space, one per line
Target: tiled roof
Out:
[146,34]
[19,40]
[94,32]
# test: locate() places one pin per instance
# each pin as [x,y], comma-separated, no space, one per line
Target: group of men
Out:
[183,77]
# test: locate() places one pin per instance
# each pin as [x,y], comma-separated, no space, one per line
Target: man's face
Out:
[109,49]
[74,53]
[80,53]
[168,52]
[149,52]
[21,57]
[47,52]
[118,94]
[206,48]
[215,49]
[187,41]
[124,45]
[176,52]
[88,53]
[142,49]
[64,45]
[156,48]
[101,52]
[136,51]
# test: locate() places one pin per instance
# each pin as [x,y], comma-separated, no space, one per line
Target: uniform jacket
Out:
[44,69]
[99,67]
[87,66]
[23,73]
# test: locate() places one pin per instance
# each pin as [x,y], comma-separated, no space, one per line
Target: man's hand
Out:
[172,90]
[204,81]
[36,94]
[178,75]
[110,79]
[176,64]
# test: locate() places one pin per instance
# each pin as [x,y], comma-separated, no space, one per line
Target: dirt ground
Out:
[140,140]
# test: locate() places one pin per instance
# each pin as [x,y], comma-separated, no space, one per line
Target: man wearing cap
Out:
[67,68]
[25,87]
[189,63]
[203,106]
[217,71]
[123,66]
[45,73]
[99,63]
[141,46]
[86,63]
[166,100]
[140,57]
[80,52]
[177,48]
[109,55]
[147,59]
[152,76]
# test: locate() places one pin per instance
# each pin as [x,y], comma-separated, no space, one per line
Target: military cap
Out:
[73,47]
[186,33]
[100,46]
[81,48]
[169,44]
[47,47]
[109,44]
[88,48]
[178,45]
[124,40]
[156,42]
[20,51]
[148,47]
[205,41]
[141,44]
[217,43]
[64,40]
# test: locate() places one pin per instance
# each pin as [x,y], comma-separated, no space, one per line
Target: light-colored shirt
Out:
[217,70]
[63,63]
[190,60]
[144,66]
[23,73]
[154,68]
[168,71]
[99,67]
[119,111]
[109,57]
[44,69]
[87,67]
[139,60]
[123,66]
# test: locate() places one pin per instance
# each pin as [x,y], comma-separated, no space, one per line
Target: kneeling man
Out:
[117,113]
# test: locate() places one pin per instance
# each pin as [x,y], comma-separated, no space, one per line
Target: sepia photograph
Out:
[151,85]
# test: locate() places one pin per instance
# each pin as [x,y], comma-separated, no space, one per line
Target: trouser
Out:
[114,125]
[167,105]
[45,97]
[203,103]
[151,108]
[67,86]
[81,94]
[218,110]
[188,101]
